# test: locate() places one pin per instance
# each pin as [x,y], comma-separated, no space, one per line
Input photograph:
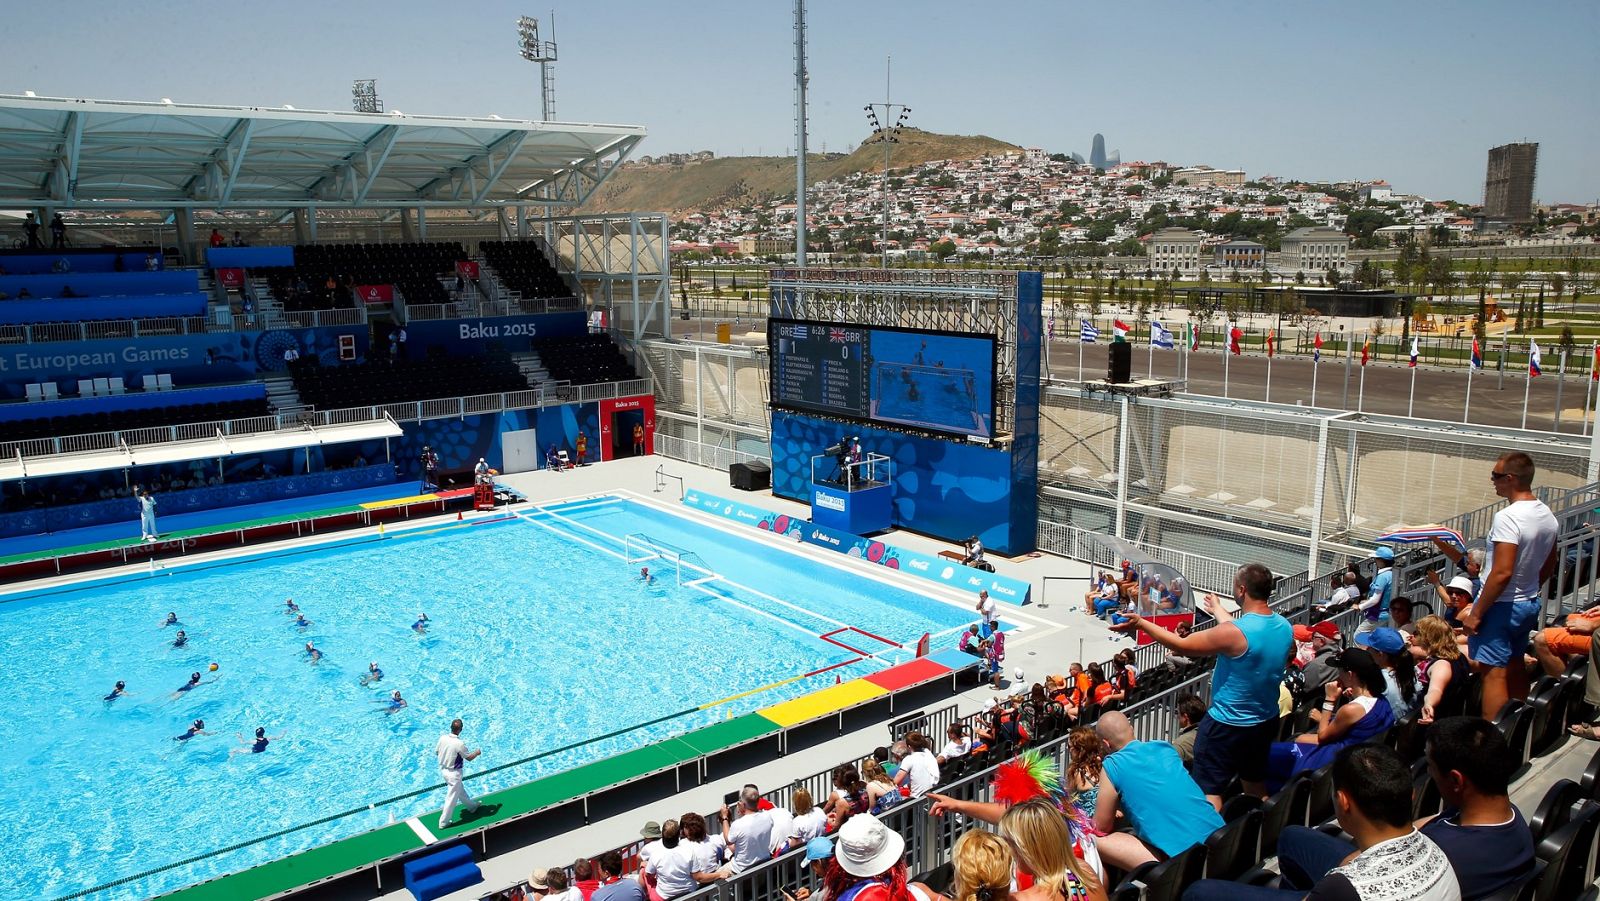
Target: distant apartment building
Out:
[1241,254]
[1200,176]
[1171,248]
[1377,192]
[1314,249]
[1508,184]
[765,246]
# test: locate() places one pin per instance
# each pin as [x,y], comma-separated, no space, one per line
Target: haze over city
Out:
[1415,95]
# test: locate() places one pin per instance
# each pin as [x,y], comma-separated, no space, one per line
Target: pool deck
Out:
[1048,632]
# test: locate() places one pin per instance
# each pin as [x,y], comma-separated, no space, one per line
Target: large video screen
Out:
[938,381]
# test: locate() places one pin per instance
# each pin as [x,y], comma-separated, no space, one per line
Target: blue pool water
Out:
[542,637]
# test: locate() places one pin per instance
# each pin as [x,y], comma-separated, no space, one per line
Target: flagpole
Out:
[1349,352]
[1315,365]
[1268,398]
[1467,407]
[1227,354]
[1080,359]
[1151,372]
[1411,404]
[1361,391]
[1561,381]
[1588,389]
[1527,391]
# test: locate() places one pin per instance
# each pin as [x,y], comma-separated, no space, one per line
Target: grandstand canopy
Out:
[76,153]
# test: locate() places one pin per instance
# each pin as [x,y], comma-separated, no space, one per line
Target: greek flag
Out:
[1160,336]
[1087,332]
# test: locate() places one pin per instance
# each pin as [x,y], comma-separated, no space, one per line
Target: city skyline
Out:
[1381,92]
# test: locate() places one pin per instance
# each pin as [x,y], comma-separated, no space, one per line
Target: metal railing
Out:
[504,306]
[708,455]
[1203,573]
[411,411]
[44,332]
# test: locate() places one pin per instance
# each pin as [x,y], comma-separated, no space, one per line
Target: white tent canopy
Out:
[78,153]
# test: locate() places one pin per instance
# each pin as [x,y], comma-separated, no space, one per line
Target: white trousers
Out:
[147,525]
[456,794]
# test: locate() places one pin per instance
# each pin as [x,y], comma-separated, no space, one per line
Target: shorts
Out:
[1222,752]
[1564,642]
[1503,632]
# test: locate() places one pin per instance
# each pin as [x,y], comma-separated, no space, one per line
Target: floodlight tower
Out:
[543,53]
[888,136]
[364,95]
[800,79]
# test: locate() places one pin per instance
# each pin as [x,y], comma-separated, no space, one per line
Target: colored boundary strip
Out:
[368,848]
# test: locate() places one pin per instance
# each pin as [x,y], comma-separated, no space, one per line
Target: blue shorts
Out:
[1222,752]
[1503,632]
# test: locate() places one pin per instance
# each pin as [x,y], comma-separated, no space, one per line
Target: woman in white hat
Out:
[869,864]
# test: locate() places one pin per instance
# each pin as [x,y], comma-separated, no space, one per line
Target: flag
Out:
[1160,336]
[1533,360]
[1194,339]
[1270,348]
[1477,357]
[1413,352]
[1366,346]
[1234,334]
[1087,333]
[1418,534]
[1316,348]
[1119,328]
[1594,373]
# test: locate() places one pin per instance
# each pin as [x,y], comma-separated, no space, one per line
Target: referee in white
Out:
[453,755]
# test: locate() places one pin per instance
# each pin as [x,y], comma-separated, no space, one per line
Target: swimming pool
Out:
[542,637]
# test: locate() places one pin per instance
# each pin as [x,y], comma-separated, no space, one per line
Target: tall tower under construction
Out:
[1508,185]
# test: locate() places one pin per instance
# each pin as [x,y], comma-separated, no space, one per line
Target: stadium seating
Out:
[523,268]
[400,381]
[584,359]
[413,268]
[121,420]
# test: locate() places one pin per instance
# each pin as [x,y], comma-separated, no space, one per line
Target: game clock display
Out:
[937,381]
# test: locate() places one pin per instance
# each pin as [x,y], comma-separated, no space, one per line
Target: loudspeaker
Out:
[750,476]
[1119,363]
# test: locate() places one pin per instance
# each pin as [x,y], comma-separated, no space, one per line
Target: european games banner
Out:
[458,337]
[937,569]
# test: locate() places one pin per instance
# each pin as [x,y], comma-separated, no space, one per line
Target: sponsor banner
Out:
[467,269]
[938,569]
[230,278]
[375,293]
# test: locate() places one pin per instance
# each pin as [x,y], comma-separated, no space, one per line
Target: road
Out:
[1440,393]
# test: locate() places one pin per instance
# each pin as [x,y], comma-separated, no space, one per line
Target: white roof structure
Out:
[87,154]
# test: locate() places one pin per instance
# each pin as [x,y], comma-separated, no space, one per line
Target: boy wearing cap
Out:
[1377,603]
[818,852]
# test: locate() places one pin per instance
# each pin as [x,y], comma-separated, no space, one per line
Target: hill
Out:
[742,180]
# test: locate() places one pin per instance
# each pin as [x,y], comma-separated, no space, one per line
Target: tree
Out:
[1567,343]
[942,249]
[1511,282]
[1300,276]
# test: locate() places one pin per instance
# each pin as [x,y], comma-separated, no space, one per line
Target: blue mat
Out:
[220,516]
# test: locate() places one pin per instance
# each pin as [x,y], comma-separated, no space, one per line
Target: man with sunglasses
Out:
[1522,555]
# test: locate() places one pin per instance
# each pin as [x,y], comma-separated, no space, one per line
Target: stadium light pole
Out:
[544,53]
[800,78]
[364,96]
[887,135]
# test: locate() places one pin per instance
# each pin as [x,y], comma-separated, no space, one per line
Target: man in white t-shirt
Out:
[651,833]
[1522,555]
[919,770]
[957,744]
[453,756]
[750,835]
[782,828]
[986,608]
[673,864]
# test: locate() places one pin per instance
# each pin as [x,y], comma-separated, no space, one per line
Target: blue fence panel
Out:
[101,284]
[23,312]
[136,400]
[249,257]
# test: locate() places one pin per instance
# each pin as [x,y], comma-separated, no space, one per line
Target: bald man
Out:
[453,756]
[1147,782]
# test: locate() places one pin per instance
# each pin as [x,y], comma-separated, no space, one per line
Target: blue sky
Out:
[1412,92]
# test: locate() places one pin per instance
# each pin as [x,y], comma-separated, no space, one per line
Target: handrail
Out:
[97,329]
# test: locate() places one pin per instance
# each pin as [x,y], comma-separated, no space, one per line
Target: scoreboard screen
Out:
[934,381]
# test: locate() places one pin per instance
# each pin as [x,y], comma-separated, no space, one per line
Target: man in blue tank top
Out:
[1251,650]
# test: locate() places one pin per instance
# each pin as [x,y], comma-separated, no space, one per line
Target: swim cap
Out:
[121,684]
[199,724]
[261,731]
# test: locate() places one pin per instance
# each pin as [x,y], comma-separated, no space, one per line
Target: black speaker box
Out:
[1119,363]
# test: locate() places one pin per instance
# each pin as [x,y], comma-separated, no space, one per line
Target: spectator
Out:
[217,240]
[30,228]
[819,853]
[782,826]
[1470,564]
[1442,671]
[1100,690]
[1325,644]
[1454,596]
[848,789]
[869,864]
[612,886]
[882,793]
[239,241]
[1146,782]
[1251,652]
[1376,604]
[151,262]
[1174,659]
[1523,536]
[583,878]
[556,879]
[538,886]
[651,833]
[58,232]
[983,868]
[1389,649]
[1485,837]
[919,771]
[1355,711]
[1554,646]
[956,744]
[1102,598]
[1085,765]
[706,849]
[1059,862]
[1372,798]
[1191,710]
[809,820]
[750,836]
[670,870]
[1400,616]
[1591,692]
[881,754]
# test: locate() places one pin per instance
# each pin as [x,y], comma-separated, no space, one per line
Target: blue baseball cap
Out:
[819,848]
[1384,553]
[1384,639]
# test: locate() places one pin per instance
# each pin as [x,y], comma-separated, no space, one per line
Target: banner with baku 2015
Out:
[937,569]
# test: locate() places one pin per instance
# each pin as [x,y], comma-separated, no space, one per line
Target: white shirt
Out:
[751,837]
[955,748]
[986,607]
[674,868]
[570,893]
[1532,528]
[782,825]
[922,771]
[452,752]
[808,826]
[649,850]
[1343,595]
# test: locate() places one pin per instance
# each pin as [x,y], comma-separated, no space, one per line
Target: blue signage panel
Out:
[458,337]
[938,569]
[859,512]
